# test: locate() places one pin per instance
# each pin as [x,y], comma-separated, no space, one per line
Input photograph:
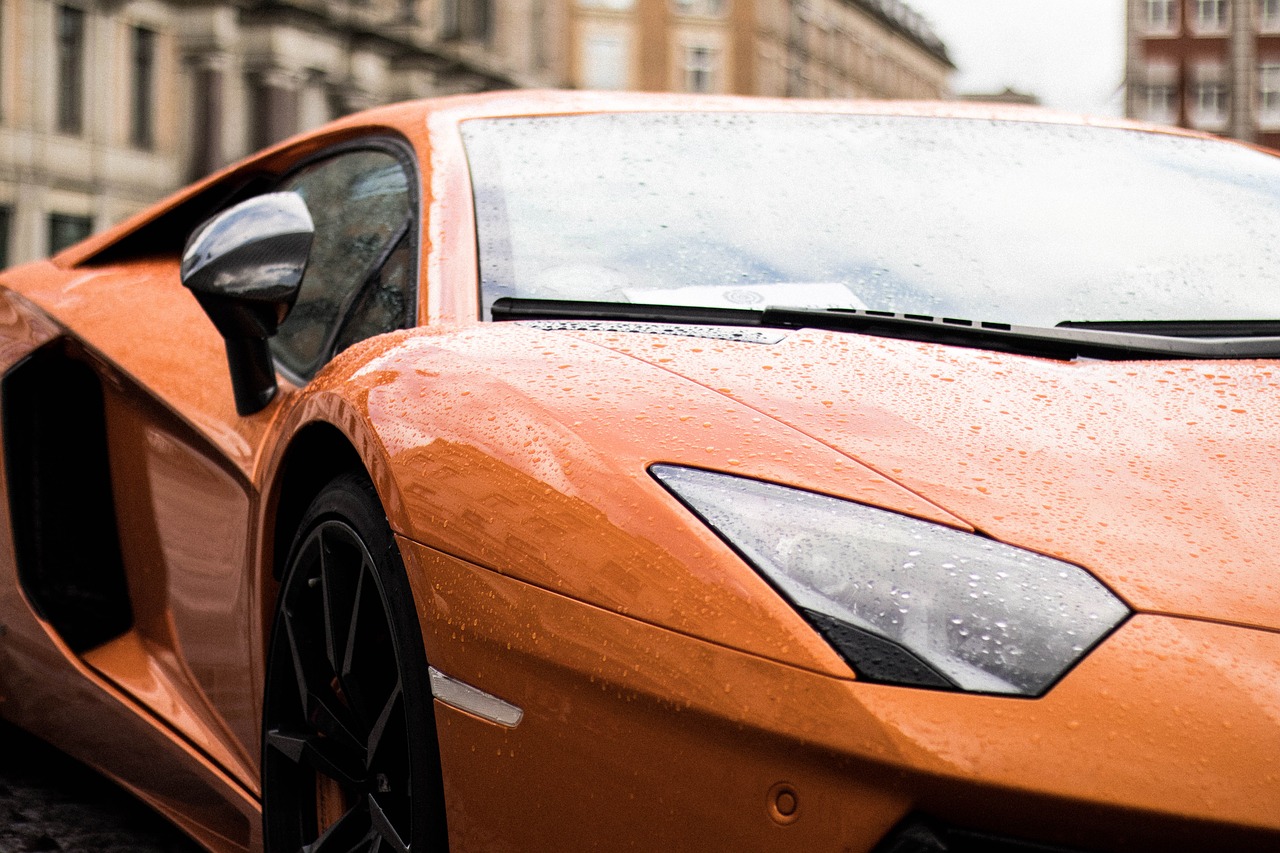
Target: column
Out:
[274,114]
[1244,72]
[208,76]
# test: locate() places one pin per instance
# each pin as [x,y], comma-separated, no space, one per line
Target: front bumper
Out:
[1166,737]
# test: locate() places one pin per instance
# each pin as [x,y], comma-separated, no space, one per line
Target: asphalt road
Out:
[51,802]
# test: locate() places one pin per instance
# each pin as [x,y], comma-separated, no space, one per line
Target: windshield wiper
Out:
[1064,342]
[1183,328]
[510,308]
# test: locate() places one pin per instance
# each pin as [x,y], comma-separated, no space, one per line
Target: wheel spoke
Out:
[345,670]
[327,581]
[322,707]
[334,723]
[348,834]
[320,754]
[291,746]
[311,671]
[385,831]
[295,654]
[342,594]
[355,622]
[379,727]
[368,667]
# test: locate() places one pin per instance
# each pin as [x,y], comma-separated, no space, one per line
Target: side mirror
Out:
[245,267]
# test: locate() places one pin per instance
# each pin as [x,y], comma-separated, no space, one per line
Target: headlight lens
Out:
[907,601]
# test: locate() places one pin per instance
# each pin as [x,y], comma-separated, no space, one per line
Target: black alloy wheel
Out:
[350,762]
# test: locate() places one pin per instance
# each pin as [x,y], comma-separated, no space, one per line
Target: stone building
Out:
[107,105]
[1213,65]
[1010,95]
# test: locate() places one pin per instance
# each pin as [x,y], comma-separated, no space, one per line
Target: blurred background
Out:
[108,105]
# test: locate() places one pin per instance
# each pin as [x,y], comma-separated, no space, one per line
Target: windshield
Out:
[1019,222]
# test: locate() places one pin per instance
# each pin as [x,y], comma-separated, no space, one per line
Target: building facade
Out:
[782,48]
[108,105]
[1212,65]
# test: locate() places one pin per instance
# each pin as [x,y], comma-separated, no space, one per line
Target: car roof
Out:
[535,102]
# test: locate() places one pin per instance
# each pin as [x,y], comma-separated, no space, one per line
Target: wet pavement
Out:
[48,801]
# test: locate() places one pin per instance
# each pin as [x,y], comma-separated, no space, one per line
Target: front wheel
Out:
[349,757]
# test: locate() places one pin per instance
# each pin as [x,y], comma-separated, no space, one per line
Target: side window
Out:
[360,277]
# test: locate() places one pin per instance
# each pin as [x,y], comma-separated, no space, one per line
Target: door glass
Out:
[361,205]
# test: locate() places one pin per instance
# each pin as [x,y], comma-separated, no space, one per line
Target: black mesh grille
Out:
[922,835]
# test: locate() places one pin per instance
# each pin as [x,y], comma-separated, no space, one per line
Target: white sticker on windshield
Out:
[791,294]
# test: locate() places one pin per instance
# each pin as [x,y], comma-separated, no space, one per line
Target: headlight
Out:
[907,601]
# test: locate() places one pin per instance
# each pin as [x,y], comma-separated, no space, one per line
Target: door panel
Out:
[181,469]
[46,688]
[185,517]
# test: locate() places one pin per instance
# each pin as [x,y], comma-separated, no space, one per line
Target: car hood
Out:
[1161,477]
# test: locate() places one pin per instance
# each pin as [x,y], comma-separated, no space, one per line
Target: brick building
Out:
[107,105]
[1213,65]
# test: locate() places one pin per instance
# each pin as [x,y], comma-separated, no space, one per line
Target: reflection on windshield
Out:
[1013,221]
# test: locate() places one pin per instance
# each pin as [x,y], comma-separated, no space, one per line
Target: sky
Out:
[1071,54]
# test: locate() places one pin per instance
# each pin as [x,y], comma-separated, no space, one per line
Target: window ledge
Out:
[1209,123]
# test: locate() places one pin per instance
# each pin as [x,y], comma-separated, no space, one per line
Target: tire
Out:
[349,754]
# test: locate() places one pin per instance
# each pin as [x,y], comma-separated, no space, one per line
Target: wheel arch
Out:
[317,454]
[325,434]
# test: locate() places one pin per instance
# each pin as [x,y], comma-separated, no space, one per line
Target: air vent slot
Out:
[60,501]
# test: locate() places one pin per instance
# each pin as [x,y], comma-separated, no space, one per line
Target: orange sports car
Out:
[562,471]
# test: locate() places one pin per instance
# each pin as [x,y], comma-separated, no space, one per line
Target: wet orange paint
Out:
[671,697]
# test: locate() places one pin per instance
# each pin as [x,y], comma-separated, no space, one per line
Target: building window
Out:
[142,125]
[6,225]
[615,5]
[606,59]
[275,105]
[449,28]
[1269,96]
[1161,17]
[476,20]
[466,19]
[700,69]
[1269,16]
[70,51]
[1212,16]
[66,230]
[538,34]
[1161,104]
[315,102]
[1210,105]
[702,8]
[3,57]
